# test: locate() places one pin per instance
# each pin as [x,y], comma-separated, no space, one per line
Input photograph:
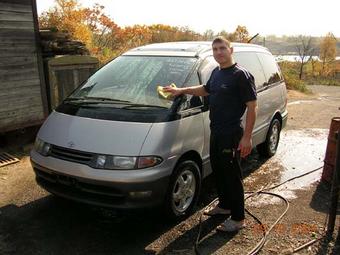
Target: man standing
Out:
[231,91]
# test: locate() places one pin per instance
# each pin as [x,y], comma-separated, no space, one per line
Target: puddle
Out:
[299,152]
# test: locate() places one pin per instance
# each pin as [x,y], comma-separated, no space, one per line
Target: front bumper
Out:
[147,189]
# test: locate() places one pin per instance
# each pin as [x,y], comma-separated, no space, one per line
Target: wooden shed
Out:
[22,86]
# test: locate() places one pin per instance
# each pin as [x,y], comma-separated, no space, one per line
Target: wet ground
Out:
[299,152]
[34,222]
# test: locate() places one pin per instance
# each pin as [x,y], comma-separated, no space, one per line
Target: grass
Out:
[290,71]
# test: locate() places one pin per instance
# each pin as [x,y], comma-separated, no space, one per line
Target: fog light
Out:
[140,194]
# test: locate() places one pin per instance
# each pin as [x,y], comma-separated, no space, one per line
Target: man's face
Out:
[222,53]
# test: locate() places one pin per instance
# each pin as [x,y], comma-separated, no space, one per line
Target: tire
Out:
[268,148]
[183,190]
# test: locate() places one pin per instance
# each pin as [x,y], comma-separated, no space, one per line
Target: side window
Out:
[270,68]
[206,68]
[192,101]
[250,61]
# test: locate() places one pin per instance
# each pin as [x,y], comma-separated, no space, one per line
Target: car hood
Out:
[93,135]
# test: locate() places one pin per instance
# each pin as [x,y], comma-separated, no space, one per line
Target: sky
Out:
[266,17]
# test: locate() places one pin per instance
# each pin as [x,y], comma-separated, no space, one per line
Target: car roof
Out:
[187,49]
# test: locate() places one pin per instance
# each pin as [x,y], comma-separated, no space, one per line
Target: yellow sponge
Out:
[165,95]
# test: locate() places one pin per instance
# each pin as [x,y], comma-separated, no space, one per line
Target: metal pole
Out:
[335,188]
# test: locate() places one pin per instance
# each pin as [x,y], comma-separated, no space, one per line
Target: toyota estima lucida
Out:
[116,142]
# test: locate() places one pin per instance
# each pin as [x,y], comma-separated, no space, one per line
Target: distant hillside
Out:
[287,45]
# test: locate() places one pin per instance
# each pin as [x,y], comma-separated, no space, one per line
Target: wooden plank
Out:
[23,103]
[16,5]
[13,44]
[20,25]
[20,76]
[19,61]
[29,49]
[19,98]
[20,83]
[18,40]
[23,91]
[23,113]
[27,103]
[13,72]
[21,125]
[18,93]
[42,76]
[17,2]
[17,53]
[73,67]
[30,119]
[15,16]
[24,116]
[16,67]
[14,34]
[17,110]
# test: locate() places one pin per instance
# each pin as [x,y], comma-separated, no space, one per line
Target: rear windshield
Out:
[135,79]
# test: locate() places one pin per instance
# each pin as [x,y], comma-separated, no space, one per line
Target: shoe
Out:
[216,211]
[231,226]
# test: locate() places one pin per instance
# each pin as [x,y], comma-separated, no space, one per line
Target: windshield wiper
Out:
[144,105]
[108,99]
[96,100]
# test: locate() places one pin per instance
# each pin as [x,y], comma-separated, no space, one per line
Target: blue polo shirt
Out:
[229,90]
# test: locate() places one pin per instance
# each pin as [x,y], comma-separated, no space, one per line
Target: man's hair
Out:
[221,39]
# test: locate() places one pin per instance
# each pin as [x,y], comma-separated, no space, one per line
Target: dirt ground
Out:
[34,222]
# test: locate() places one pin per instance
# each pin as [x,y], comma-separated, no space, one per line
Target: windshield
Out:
[134,79]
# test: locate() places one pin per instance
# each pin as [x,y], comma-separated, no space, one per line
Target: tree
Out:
[208,35]
[241,34]
[327,51]
[68,16]
[305,51]
[228,36]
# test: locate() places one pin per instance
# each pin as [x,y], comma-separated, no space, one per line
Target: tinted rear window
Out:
[250,61]
[270,67]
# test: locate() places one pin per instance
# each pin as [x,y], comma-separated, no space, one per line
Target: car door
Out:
[205,70]
[250,61]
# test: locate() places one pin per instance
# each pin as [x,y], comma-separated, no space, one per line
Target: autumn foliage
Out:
[106,40]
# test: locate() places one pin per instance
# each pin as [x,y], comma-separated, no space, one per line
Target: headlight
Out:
[41,147]
[38,144]
[125,163]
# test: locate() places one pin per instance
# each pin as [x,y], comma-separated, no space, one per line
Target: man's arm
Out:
[198,90]
[245,145]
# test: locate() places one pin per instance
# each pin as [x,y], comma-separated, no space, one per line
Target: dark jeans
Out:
[226,168]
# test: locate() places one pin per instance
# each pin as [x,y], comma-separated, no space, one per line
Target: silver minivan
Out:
[116,142]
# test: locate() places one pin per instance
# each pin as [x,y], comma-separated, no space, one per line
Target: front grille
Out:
[77,189]
[70,154]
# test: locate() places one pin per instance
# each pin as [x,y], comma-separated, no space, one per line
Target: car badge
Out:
[70,144]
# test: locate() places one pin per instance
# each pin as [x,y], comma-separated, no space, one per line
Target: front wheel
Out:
[269,147]
[183,190]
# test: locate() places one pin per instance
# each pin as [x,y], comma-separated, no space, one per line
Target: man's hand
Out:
[245,146]
[173,91]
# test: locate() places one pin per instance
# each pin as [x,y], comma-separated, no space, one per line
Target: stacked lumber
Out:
[60,43]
